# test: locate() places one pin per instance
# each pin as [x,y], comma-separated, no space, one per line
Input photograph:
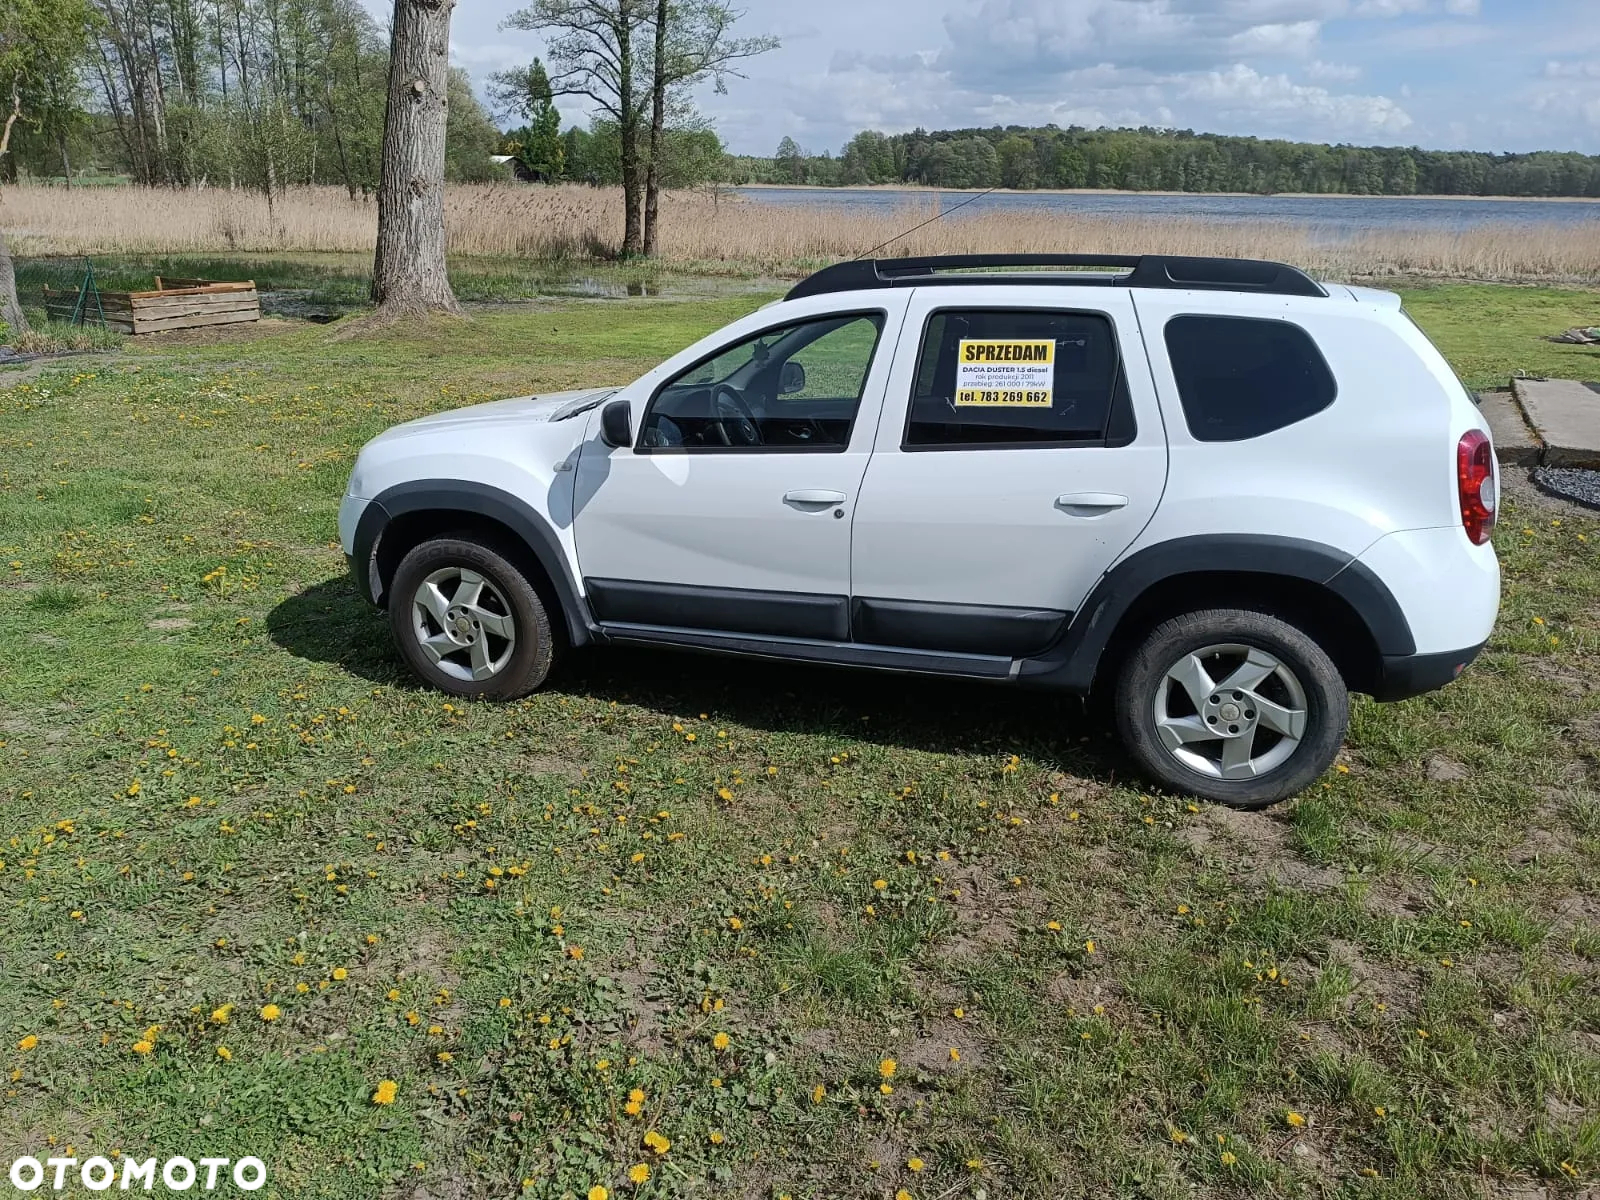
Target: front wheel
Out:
[1233,706]
[468,621]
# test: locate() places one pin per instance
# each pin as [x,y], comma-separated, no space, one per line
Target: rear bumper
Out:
[1410,675]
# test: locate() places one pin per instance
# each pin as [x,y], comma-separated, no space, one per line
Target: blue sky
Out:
[1475,74]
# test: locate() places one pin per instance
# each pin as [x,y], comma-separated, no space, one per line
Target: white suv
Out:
[1216,490]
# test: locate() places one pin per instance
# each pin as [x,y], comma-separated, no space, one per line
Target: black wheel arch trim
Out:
[477,500]
[1073,663]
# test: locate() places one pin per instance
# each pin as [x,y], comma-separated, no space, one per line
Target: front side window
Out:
[1241,377]
[797,387]
[1017,378]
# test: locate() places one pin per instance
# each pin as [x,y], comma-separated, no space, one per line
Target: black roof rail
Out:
[1142,271]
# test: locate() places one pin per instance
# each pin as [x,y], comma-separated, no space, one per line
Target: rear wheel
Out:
[468,622]
[1233,706]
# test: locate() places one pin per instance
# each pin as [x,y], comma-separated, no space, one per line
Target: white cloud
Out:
[1242,89]
[1327,72]
[1463,8]
[1265,40]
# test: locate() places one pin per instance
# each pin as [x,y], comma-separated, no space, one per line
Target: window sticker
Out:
[1005,373]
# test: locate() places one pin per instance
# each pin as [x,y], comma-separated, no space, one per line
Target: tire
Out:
[1278,726]
[497,645]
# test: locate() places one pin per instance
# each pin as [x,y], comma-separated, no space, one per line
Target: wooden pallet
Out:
[175,304]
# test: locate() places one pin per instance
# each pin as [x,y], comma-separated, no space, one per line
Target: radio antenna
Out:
[941,215]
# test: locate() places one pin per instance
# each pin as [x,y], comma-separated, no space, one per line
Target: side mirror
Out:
[616,425]
[791,379]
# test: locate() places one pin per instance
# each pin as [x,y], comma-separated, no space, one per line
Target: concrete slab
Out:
[1565,415]
[1514,442]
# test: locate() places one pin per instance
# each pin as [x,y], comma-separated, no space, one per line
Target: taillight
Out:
[1475,485]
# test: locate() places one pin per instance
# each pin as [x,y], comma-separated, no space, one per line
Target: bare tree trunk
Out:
[658,124]
[408,271]
[628,129]
[10,307]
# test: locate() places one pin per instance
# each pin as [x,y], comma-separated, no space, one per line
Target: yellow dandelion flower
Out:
[914,1163]
[340,974]
[721,1041]
[575,953]
[224,1054]
[902,1194]
[735,924]
[1053,926]
[717,1137]
[1178,1136]
[271,1012]
[28,1043]
[879,884]
[221,1014]
[817,1093]
[1088,947]
[955,1054]
[638,1173]
[657,1142]
[1229,1158]
[1295,1120]
[887,1068]
[387,1090]
[598,1193]
[143,1047]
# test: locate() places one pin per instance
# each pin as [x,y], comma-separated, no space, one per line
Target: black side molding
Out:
[1411,675]
[445,496]
[1072,663]
[729,610]
[956,628]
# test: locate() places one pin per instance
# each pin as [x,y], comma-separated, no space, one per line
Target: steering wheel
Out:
[733,423]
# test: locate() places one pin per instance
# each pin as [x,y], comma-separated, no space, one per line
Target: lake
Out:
[1330,215]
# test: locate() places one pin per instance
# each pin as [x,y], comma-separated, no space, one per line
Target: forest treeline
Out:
[1167,160]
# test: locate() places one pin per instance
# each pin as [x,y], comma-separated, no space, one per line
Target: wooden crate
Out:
[175,304]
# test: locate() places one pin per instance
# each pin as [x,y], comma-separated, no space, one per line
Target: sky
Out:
[1442,74]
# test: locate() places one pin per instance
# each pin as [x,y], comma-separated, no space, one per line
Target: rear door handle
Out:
[1090,504]
[811,496]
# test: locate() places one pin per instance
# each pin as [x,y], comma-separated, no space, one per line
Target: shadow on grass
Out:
[331,623]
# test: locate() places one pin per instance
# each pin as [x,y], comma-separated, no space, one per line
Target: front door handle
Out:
[1090,504]
[812,497]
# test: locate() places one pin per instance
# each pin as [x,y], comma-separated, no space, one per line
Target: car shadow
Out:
[331,623]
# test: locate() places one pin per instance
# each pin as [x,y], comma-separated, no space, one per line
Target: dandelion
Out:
[914,1163]
[717,1137]
[387,1090]
[340,974]
[143,1046]
[879,884]
[960,1013]
[638,1173]
[1295,1120]
[725,795]
[1088,947]
[1053,926]
[657,1143]
[902,1194]
[721,1041]
[1229,1158]
[955,1054]
[735,924]
[1178,1136]
[28,1043]
[598,1193]
[637,858]
[817,1093]
[575,953]
[1380,1111]
[271,1012]
[224,1054]
[887,1068]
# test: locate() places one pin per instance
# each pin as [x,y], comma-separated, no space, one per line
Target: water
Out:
[1332,216]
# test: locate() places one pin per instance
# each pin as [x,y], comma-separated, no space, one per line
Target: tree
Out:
[41,44]
[408,272]
[693,42]
[594,52]
[526,92]
[791,161]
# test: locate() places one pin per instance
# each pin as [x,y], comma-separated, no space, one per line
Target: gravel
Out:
[1570,483]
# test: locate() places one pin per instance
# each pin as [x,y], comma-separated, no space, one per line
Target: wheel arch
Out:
[406,515]
[1340,602]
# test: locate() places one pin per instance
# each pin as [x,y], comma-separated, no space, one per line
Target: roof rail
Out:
[1142,271]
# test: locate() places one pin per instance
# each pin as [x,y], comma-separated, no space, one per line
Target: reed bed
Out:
[708,233]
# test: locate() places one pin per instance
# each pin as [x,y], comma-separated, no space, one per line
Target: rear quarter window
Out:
[1242,377]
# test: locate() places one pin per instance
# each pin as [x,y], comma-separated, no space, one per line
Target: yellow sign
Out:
[1005,373]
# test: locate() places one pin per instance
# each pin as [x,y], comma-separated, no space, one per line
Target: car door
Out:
[1020,451]
[731,510]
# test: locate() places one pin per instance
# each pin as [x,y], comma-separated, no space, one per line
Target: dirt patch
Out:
[932,1051]
[169,624]
[1254,849]
[1402,900]
[1082,996]
[1373,983]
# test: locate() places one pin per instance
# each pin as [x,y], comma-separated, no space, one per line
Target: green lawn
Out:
[840,935]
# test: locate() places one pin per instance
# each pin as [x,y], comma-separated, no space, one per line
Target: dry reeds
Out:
[572,222]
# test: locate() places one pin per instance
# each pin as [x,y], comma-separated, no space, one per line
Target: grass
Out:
[574,224]
[219,790]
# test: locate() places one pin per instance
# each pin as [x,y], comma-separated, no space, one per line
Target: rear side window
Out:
[1241,377]
[994,379]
